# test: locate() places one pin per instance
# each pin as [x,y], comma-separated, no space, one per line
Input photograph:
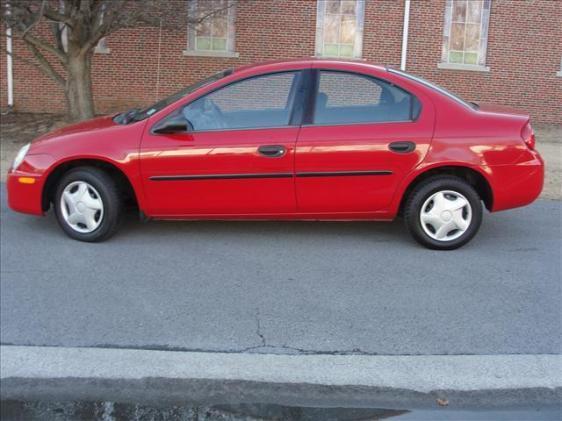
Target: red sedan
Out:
[306,139]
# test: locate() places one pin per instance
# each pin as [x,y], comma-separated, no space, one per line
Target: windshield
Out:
[434,87]
[147,112]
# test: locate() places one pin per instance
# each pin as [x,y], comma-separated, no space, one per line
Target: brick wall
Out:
[524,52]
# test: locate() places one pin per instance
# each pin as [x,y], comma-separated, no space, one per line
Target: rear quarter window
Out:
[347,98]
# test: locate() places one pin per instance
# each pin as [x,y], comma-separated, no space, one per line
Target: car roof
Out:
[306,62]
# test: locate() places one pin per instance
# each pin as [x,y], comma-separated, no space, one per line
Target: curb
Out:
[409,382]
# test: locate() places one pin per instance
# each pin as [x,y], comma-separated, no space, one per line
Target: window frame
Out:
[483,41]
[435,87]
[319,37]
[191,46]
[314,85]
[559,73]
[295,115]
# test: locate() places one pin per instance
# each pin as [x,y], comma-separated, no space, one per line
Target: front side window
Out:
[345,98]
[259,102]
[339,28]
[465,35]
[211,29]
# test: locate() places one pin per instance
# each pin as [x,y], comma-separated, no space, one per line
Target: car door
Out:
[237,157]
[363,135]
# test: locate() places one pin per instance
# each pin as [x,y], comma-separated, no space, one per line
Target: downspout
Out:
[405,35]
[9,63]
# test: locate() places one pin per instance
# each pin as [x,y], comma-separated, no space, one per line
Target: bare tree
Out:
[76,27]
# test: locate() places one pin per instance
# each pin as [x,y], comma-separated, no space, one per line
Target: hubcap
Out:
[81,207]
[446,215]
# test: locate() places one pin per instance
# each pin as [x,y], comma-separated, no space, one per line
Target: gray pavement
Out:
[284,287]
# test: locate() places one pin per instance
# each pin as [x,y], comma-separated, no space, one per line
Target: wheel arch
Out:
[474,177]
[61,168]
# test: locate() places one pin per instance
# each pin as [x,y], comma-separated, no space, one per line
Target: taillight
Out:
[528,136]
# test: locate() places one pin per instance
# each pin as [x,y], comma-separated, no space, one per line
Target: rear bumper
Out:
[23,195]
[518,184]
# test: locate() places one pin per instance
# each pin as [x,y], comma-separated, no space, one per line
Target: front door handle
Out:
[272,151]
[402,147]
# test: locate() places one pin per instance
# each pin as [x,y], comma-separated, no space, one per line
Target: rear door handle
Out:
[272,151]
[402,147]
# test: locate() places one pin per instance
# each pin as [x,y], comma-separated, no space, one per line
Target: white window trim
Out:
[459,66]
[358,44]
[102,50]
[480,67]
[191,51]
[202,53]
[559,73]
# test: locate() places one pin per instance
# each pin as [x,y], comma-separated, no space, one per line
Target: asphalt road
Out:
[283,287]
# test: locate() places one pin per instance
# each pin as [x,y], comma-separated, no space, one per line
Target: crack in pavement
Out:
[258,330]
[266,348]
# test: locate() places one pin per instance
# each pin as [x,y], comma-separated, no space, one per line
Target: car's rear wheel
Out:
[443,212]
[88,204]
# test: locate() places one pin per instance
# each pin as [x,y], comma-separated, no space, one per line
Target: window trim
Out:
[483,44]
[319,36]
[434,87]
[559,73]
[310,106]
[291,125]
[102,49]
[460,66]
[191,48]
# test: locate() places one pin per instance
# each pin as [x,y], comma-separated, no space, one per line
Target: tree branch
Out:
[31,63]
[36,21]
[55,16]
[40,43]
[23,20]
[45,66]
[196,21]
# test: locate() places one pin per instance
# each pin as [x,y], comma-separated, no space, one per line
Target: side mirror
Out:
[175,124]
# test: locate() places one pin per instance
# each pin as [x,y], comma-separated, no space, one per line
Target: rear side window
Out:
[258,102]
[346,98]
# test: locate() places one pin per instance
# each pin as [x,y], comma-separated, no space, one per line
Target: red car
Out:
[305,139]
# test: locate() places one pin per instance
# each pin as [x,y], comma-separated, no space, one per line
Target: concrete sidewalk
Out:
[163,377]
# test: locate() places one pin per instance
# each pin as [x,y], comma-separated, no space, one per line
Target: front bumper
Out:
[25,185]
[23,196]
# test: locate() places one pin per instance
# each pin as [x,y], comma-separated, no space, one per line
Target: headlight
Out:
[20,156]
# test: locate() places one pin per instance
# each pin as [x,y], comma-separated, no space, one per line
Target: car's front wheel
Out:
[443,212]
[87,204]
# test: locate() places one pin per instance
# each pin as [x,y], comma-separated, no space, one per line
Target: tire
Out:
[92,208]
[432,217]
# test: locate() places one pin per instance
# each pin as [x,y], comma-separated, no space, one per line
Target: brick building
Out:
[501,51]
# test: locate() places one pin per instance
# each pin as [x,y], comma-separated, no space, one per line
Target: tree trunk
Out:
[78,89]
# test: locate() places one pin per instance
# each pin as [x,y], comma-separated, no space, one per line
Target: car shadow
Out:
[133,228]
